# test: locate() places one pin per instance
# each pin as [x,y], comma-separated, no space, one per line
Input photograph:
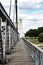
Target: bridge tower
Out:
[20,28]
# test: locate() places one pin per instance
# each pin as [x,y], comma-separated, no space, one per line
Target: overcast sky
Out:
[31,11]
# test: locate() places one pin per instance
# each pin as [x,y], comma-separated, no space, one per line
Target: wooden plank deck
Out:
[20,56]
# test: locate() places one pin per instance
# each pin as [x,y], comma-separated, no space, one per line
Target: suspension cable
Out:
[10,8]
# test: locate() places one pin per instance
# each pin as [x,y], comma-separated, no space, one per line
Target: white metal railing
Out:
[8,34]
[36,52]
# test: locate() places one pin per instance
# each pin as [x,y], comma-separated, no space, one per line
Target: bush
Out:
[40,37]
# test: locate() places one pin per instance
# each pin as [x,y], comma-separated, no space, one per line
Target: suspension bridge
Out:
[13,50]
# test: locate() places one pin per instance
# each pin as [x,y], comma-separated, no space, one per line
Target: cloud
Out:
[31,11]
[5,2]
[30,4]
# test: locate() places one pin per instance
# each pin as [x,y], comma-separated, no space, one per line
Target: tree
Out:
[40,30]
[32,33]
[40,37]
[35,33]
[27,34]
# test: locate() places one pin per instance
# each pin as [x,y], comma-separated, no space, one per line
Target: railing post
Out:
[41,58]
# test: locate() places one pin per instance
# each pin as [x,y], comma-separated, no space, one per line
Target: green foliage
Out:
[34,41]
[40,37]
[40,30]
[26,34]
[34,32]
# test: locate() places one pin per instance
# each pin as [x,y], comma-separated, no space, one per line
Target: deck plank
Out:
[20,56]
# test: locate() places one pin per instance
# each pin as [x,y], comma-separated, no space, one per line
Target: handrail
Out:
[36,52]
[35,46]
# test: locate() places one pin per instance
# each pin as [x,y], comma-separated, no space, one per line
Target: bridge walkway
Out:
[20,56]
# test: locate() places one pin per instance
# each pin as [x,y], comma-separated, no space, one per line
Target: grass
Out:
[41,46]
[35,41]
